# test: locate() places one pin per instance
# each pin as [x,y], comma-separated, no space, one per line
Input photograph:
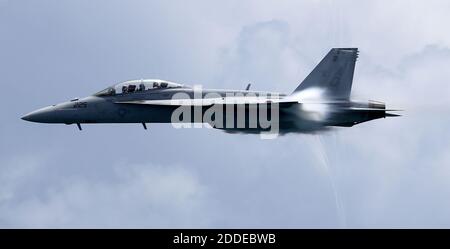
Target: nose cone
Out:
[44,115]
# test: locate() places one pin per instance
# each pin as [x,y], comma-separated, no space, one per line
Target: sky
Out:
[387,173]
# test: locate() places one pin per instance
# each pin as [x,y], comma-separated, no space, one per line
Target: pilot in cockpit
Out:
[136,86]
[131,88]
[141,87]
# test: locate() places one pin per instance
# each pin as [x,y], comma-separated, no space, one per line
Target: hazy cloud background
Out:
[385,173]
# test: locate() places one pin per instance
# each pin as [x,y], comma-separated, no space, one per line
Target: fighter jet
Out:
[322,100]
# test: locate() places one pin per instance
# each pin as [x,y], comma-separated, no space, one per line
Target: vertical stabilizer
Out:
[334,74]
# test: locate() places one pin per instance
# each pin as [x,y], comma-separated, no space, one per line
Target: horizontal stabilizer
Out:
[392,115]
[372,109]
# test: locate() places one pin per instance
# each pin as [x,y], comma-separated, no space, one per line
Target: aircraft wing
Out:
[209,101]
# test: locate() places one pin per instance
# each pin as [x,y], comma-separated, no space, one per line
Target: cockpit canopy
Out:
[132,86]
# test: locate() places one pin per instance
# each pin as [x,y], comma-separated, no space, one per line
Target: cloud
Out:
[134,196]
[387,173]
[244,61]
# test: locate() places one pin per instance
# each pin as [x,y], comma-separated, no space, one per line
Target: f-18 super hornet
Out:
[321,101]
